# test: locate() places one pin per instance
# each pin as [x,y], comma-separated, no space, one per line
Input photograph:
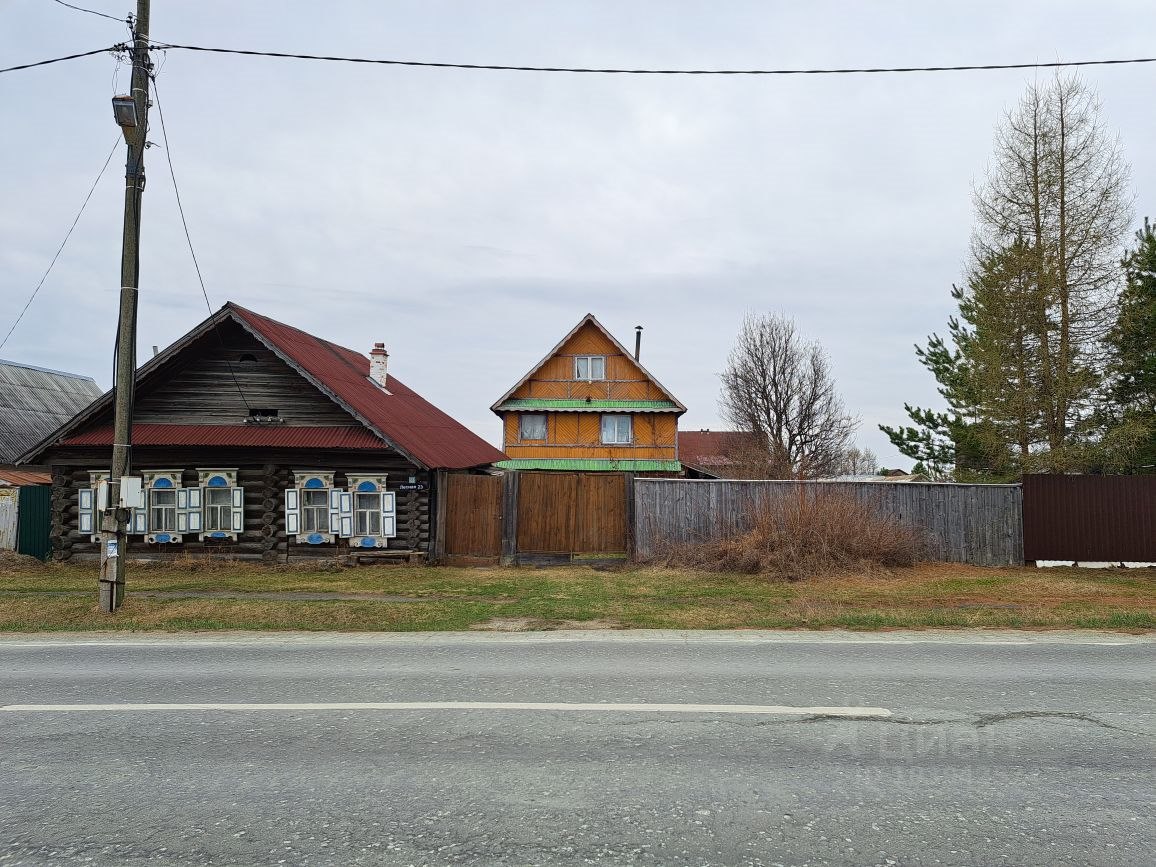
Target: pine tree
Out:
[1133,346]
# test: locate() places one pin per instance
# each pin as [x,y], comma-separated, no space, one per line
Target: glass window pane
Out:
[581,368]
[532,427]
[598,368]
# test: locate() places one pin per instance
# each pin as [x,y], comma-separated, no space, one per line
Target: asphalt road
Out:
[972,749]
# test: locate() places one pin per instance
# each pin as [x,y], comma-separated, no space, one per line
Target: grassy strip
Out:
[928,596]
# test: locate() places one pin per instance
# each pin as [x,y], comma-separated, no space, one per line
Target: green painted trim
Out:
[591,464]
[550,403]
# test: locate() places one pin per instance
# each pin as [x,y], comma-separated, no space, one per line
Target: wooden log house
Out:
[256,440]
[589,405]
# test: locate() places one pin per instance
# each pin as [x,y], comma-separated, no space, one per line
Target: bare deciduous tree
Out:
[859,462]
[779,386]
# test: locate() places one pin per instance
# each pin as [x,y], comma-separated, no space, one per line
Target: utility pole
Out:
[134,124]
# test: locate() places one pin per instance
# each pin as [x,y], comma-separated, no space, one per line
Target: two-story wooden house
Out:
[590,405]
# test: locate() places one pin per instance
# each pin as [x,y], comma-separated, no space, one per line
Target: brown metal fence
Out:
[1105,519]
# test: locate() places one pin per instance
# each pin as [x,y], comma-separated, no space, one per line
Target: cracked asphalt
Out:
[1002,748]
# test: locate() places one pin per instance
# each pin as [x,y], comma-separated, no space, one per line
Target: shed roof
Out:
[394,417]
[34,402]
[712,451]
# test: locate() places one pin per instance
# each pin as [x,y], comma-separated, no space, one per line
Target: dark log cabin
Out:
[256,440]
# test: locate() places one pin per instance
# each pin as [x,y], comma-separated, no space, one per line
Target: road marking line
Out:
[767,709]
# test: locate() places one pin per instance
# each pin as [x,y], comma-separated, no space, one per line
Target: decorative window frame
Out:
[340,507]
[187,509]
[589,359]
[217,479]
[360,483]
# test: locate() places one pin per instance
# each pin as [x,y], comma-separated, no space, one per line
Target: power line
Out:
[89,11]
[120,47]
[60,249]
[188,237]
[617,71]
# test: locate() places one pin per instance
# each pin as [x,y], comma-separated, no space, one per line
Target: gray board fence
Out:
[978,524]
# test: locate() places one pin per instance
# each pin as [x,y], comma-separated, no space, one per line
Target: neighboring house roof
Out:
[19,478]
[34,402]
[504,402]
[395,416]
[873,477]
[712,452]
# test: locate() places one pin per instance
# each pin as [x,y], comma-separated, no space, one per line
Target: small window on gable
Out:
[589,367]
[247,358]
[532,426]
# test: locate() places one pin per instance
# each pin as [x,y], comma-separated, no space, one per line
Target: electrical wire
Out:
[60,249]
[189,239]
[89,11]
[119,47]
[616,71]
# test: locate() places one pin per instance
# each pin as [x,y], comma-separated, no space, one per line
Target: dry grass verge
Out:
[807,535]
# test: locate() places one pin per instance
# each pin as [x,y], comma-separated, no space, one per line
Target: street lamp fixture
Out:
[124,110]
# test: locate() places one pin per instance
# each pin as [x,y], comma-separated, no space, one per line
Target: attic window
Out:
[247,358]
[264,415]
[589,367]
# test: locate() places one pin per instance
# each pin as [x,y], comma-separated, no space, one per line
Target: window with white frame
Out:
[223,504]
[90,501]
[617,430]
[589,367]
[374,511]
[170,509]
[532,426]
[314,509]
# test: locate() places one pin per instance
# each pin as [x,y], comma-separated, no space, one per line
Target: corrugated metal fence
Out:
[1106,519]
[980,524]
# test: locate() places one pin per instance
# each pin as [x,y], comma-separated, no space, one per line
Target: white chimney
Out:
[379,364]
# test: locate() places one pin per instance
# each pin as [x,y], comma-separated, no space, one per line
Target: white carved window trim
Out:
[235,506]
[186,506]
[372,485]
[339,502]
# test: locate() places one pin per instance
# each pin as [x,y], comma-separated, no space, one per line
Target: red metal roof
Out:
[17,478]
[415,426]
[234,435]
[717,448]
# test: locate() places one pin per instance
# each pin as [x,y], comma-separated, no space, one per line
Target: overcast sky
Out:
[469,219]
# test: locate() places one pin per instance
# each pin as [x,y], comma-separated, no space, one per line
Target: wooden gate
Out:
[564,516]
[472,518]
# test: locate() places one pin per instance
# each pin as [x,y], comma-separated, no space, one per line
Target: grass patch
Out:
[926,596]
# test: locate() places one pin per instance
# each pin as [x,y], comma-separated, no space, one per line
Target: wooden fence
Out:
[979,524]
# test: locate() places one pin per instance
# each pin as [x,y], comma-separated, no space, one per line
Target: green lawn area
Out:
[56,597]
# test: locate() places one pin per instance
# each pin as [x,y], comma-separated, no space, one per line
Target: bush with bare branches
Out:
[805,535]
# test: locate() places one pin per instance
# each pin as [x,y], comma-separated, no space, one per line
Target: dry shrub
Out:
[805,535]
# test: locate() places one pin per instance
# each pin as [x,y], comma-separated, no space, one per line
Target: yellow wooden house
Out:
[589,405]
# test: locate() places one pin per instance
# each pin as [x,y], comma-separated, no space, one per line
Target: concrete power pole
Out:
[133,119]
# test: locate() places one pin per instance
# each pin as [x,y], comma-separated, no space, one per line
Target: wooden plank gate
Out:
[471,513]
[535,518]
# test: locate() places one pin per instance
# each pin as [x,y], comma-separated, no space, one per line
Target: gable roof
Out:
[34,402]
[713,451]
[398,416]
[588,319]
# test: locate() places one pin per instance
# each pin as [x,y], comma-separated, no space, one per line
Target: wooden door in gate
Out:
[473,517]
[571,513]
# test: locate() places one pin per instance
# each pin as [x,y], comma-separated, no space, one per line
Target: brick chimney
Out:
[379,364]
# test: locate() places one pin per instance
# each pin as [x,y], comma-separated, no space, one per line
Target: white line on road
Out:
[767,709]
